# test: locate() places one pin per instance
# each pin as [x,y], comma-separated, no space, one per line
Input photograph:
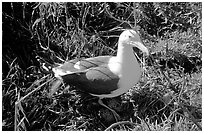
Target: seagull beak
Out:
[140,46]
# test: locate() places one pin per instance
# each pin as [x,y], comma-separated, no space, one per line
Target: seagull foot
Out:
[116,116]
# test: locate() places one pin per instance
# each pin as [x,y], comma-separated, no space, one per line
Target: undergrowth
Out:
[38,36]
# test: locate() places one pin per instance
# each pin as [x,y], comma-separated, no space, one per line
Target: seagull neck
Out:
[125,54]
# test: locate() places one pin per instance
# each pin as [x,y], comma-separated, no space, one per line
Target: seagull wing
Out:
[79,65]
[96,80]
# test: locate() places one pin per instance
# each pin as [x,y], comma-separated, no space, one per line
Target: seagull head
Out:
[130,38]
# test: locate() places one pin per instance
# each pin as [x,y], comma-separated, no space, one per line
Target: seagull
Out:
[105,76]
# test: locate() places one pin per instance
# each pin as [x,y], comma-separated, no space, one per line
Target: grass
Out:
[41,35]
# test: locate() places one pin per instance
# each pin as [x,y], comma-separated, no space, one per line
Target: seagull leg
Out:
[117,117]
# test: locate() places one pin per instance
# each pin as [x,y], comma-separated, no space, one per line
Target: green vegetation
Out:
[37,36]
